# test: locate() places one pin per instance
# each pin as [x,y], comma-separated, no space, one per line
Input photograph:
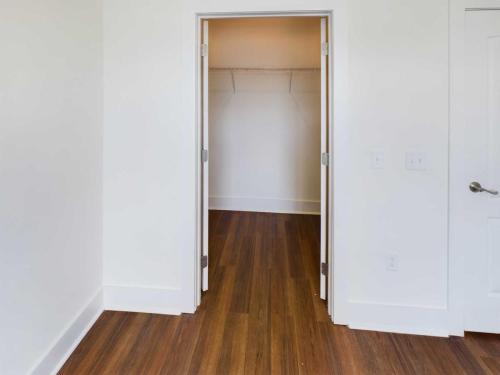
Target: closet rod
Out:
[265,69]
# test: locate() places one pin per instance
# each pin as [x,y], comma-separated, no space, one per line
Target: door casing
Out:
[332,276]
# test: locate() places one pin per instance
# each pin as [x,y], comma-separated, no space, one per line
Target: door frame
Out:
[335,285]
[456,253]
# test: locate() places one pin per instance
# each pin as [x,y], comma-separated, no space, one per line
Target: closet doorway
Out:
[264,140]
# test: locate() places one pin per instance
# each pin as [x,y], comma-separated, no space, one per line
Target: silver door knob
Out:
[476,187]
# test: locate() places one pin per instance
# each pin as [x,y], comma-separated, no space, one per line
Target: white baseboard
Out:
[415,320]
[265,205]
[168,301]
[67,342]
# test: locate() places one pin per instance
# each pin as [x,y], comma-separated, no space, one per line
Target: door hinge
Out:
[204,261]
[324,49]
[324,269]
[204,155]
[325,159]
[204,50]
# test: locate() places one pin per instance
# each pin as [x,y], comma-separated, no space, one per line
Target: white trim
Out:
[480,4]
[338,245]
[324,149]
[337,86]
[144,299]
[291,206]
[456,268]
[67,342]
[480,9]
[386,317]
[206,149]
[403,329]
[198,169]
[455,287]
[297,13]
[340,49]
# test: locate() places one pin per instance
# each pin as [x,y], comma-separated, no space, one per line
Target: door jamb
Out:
[200,17]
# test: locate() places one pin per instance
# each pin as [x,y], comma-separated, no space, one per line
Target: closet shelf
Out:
[266,69]
[289,71]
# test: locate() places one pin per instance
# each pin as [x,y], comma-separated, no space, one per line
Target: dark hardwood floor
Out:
[262,315]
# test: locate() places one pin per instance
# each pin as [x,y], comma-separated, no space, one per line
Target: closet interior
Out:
[264,108]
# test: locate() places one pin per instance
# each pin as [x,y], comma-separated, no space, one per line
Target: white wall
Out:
[399,103]
[146,158]
[50,173]
[396,101]
[286,42]
[265,125]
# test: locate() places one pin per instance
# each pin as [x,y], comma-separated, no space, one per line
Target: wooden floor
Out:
[262,315]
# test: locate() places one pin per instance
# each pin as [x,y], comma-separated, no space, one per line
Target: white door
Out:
[325,159]
[479,207]
[204,156]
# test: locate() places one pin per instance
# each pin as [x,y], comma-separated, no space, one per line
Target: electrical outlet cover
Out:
[416,161]
[392,262]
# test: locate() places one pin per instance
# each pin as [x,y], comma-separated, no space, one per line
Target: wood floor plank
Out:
[262,315]
[116,360]
[244,271]
[466,359]
[233,350]
[310,355]
[104,356]
[184,340]
[295,262]
[94,344]
[228,256]
[159,343]
[258,350]
[207,352]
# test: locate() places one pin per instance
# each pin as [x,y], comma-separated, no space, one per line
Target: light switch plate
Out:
[416,161]
[376,160]
[392,262]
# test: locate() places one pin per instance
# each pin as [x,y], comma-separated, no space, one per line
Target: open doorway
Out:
[264,142]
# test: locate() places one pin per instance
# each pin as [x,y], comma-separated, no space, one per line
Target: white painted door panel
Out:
[480,212]
[205,153]
[324,151]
